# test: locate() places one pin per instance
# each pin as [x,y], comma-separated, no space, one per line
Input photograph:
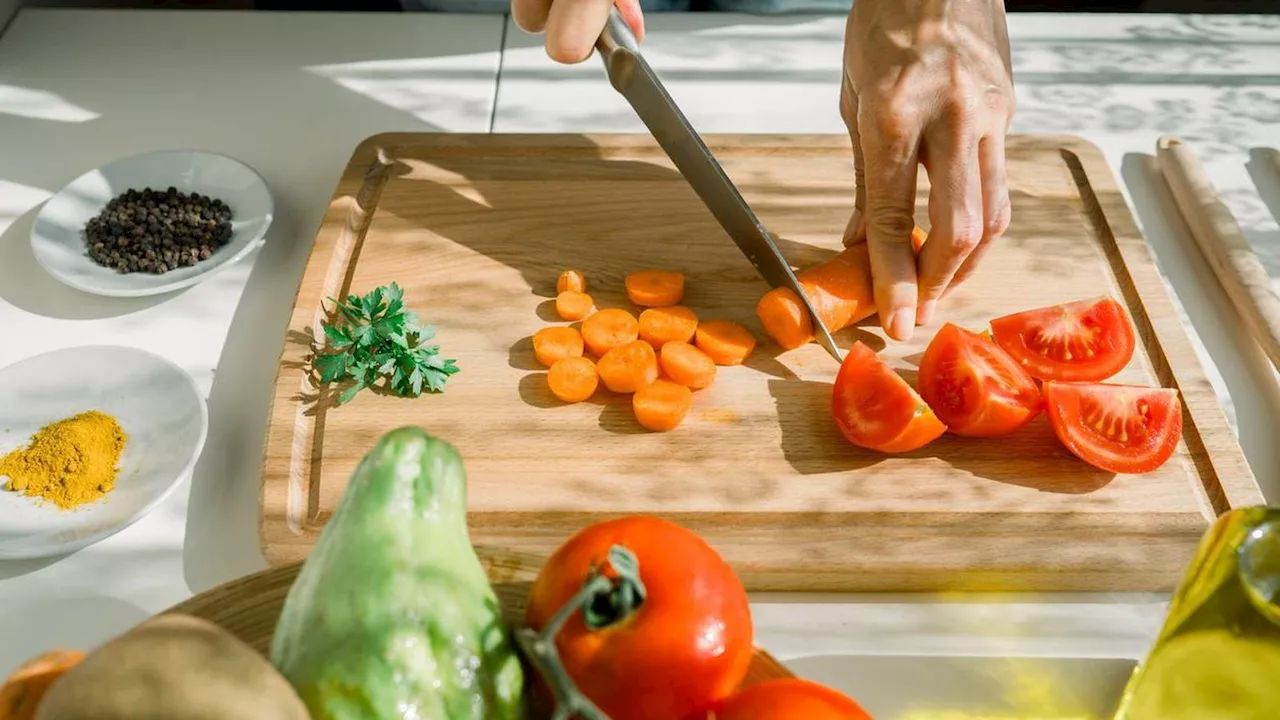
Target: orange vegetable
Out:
[667,324]
[608,329]
[655,288]
[572,280]
[840,290]
[573,305]
[23,690]
[573,379]
[627,368]
[661,405]
[726,343]
[687,365]
[556,343]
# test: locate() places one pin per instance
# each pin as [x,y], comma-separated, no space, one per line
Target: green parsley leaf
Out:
[374,337]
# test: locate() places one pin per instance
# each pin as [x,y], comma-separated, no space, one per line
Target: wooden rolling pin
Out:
[1223,244]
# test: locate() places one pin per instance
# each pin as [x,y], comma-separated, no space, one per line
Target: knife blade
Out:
[632,77]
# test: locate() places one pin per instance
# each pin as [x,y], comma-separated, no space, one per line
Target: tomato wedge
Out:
[974,387]
[1082,341]
[1118,428]
[876,409]
[787,699]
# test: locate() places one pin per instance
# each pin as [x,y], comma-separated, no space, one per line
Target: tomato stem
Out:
[603,601]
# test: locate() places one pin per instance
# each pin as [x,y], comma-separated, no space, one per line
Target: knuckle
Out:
[967,234]
[998,223]
[889,225]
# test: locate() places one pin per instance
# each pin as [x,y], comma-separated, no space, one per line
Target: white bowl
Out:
[160,409]
[57,235]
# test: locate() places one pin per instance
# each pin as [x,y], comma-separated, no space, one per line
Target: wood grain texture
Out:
[1223,244]
[476,229]
[248,608]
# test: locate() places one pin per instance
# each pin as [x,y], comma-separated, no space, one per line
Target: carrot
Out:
[573,305]
[25,687]
[661,405]
[840,290]
[571,280]
[608,329]
[667,324]
[573,379]
[629,367]
[687,365]
[556,343]
[655,288]
[726,343]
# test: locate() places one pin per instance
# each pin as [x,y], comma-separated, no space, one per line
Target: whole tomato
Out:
[786,699]
[685,646]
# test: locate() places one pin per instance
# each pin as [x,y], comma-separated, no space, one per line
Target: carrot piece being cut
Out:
[726,343]
[571,280]
[556,343]
[573,305]
[573,379]
[655,288]
[667,324]
[627,368]
[840,290]
[661,405]
[687,365]
[608,329]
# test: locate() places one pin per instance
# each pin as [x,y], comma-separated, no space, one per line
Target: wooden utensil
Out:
[1224,245]
[476,228]
[249,607]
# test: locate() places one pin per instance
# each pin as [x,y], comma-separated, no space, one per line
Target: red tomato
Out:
[974,387]
[787,699]
[876,409]
[685,647]
[1118,428]
[1083,341]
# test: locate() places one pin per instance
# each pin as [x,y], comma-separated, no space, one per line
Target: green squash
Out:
[392,615]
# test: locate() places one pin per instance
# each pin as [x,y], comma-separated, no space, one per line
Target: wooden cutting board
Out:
[475,228]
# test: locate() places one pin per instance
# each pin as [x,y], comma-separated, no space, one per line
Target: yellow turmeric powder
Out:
[68,463]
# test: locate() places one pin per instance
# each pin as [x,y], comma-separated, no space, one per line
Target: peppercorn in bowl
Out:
[92,439]
[152,223]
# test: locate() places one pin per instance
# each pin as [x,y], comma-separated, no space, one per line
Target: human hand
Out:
[573,26]
[926,82]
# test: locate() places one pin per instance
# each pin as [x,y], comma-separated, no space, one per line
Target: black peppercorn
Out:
[155,231]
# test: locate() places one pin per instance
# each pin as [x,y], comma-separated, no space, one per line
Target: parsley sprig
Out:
[375,337]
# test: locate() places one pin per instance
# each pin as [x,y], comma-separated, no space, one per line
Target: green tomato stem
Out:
[602,601]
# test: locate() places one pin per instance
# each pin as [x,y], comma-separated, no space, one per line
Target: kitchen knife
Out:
[631,76]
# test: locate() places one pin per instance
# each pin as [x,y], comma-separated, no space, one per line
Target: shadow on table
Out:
[49,623]
[1243,366]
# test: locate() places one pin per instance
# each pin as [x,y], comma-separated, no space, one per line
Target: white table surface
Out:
[292,94]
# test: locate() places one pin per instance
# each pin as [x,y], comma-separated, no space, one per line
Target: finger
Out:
[530,15]
[856,231]
[955,209]
[890,143]
[997,211]
[573,26]
[632,16]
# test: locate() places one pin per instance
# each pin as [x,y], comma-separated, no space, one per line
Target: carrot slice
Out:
[840,290]
[655,288]
[629,367]
[918,236]
[661,405]
[556,343]
[608,329]
[726,343]
[687,365]
[571,280]
[667,324]
[573,379]
[573,305]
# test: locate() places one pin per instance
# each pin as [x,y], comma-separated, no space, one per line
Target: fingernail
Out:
[901,323]
[924,315]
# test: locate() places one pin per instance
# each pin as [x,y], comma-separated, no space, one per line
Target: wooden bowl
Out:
[249,607]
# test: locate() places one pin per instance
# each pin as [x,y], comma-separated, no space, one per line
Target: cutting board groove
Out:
[476,227]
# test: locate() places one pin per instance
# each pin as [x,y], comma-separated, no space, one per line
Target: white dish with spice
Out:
[156,404]
[61,246]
